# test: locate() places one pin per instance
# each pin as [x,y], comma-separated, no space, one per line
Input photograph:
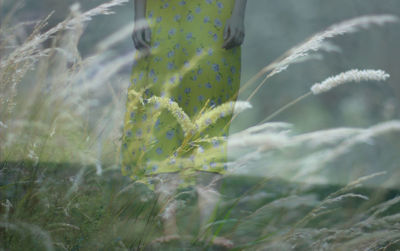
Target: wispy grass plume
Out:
[349,76]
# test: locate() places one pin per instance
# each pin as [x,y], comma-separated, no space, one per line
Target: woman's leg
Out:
[208,197]
[165,188]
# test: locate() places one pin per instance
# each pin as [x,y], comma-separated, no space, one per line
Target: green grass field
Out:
[325,178]
[69,207]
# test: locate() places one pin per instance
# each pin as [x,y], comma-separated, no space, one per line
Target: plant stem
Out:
[259,86]
[285,107]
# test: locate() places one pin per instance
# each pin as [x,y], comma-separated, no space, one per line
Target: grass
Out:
[58,193]
[108,212]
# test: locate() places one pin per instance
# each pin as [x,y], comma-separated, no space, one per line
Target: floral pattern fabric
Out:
[187,65]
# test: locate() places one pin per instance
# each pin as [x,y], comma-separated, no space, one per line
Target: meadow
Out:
[291,185]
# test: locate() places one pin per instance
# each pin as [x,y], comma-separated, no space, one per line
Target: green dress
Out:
[187,67]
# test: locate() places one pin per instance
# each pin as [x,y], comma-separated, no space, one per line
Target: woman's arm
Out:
[240,8]
[141,32]
[234,28]
[140,9]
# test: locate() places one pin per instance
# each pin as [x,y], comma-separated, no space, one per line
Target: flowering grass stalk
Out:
[183,119]
[355,75]
[221,111]
[332,82]
[313,44]
[316,42]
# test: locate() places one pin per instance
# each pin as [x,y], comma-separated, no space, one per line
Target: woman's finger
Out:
[238,37]
[135,40]
[226,31]
[147,35]
[134,37]
[242,37]
[228,42]
[138,41]
[141,40]
[234,39]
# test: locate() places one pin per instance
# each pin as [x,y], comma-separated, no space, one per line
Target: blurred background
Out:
[272,27]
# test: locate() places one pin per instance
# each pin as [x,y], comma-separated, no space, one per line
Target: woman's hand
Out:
[234,28]
[141,35]
[233,33]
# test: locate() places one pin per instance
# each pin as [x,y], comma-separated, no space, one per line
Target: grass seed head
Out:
[347,77]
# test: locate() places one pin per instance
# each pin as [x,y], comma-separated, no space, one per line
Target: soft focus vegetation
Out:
[325,179]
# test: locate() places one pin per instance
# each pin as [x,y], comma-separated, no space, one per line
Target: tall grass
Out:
[52,126]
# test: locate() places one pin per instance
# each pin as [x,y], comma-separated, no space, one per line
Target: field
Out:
[313,159]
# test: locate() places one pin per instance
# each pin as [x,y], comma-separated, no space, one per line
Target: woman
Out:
[188,52]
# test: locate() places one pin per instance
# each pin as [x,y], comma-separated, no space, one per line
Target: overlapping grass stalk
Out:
[60,120]
[354,75]
[315,43]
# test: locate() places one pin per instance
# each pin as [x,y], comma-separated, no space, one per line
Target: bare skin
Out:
[141,34]
[234,28]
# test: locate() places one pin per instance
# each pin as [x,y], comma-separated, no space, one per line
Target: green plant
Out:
[52,199]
